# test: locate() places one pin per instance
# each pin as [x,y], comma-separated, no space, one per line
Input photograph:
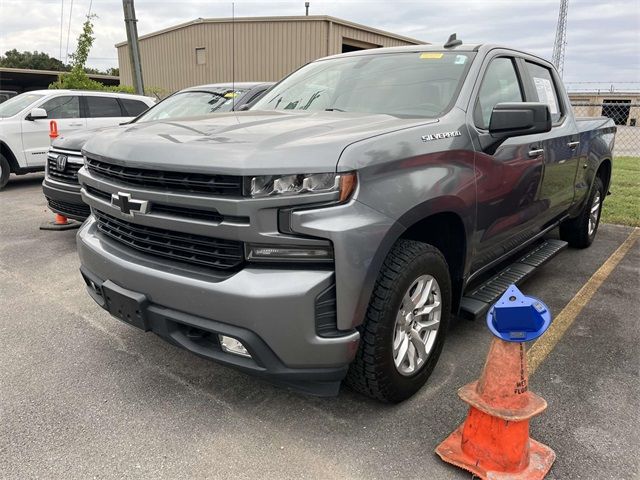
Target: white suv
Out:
[24,122]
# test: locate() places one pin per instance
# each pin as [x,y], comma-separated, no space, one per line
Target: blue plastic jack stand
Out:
[516,317]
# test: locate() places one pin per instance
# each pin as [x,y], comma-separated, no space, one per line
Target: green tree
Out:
[33,60]
[77,78]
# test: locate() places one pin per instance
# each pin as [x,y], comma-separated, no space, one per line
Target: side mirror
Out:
[37,114]
[517,119]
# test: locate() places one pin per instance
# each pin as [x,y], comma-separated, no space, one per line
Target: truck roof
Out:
[471,47]
[229,85]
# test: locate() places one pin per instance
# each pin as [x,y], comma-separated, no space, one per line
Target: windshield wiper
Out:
[334,110]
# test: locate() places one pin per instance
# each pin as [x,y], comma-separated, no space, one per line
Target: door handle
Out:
[536,152]
[573,145]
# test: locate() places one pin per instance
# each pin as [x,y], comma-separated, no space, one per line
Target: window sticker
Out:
[460,59]
[545,93]
[230,95]
[431,55]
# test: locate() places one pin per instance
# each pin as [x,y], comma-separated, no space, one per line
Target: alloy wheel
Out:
[417,325]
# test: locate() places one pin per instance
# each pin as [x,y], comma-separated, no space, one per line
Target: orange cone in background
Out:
[53,130]
[60,219]
[493,442]
[60,222]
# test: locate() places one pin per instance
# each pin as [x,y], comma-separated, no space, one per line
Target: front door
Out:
[65,110]
[508,174]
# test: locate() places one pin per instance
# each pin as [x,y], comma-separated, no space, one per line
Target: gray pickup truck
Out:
[331,232]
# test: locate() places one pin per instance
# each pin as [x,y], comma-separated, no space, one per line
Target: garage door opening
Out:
[617,110]
[351,45]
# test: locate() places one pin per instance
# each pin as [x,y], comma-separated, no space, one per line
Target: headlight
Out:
[268,185]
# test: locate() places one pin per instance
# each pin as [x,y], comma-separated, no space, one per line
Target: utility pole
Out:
[306,8]
[130,23]
[561,37]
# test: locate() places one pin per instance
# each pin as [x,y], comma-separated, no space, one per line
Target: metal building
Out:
[248,49]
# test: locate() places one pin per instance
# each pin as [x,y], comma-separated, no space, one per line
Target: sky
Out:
[603,37]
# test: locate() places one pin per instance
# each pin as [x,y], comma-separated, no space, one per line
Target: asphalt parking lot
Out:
[83,395]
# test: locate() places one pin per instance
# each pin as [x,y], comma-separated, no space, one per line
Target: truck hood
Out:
[244,143]
[76,140]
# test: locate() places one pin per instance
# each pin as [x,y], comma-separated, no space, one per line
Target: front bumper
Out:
[65,199]
[271,310]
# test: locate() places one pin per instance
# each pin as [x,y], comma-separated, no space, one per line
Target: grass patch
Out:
[623,205]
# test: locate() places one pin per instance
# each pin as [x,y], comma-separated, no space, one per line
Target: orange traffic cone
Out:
[60,222]
[53,130]
[493,442]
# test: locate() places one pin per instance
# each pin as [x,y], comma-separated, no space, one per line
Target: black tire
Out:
[373,372]
[576,231]
[5,170]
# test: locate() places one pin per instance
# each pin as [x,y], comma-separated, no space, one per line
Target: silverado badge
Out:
[439,136]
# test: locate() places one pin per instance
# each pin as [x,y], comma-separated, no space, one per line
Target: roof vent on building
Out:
[452,42]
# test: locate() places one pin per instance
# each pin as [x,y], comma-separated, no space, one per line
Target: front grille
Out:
[172,210]
[69,209]
[183,247]
[68,175]
[225,185]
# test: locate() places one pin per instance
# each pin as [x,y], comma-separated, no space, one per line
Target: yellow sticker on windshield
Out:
[230,95]
[431,55]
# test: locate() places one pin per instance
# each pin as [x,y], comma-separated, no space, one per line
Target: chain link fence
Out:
[626,116]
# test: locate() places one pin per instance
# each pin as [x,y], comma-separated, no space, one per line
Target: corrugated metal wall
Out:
[341,33]
[264,50]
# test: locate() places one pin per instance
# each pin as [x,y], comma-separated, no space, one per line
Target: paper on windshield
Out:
[432,55]
[545,93]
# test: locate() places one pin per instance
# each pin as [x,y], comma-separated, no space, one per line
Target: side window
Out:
[201,56]
[545,89]
[133,107]
[103,107]
[62,107]
[500,84]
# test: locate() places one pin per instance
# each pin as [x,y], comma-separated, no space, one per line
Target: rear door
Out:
[560,145]
[103,111]
[65,110]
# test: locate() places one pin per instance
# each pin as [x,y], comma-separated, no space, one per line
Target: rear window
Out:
[103,107]
[133,108]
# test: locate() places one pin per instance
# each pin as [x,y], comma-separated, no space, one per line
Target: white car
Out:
[24,122]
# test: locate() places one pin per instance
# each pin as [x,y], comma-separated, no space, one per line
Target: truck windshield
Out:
[191,104]
[17,103]
[422,84]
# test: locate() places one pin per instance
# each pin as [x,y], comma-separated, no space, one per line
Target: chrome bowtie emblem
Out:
[61,162]
[128,205]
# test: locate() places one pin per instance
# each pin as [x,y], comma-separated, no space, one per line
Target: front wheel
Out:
[406,324]
[580,232]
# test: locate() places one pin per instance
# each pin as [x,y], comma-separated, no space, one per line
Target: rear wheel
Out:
[580,232]
[5,170]
[406,324]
